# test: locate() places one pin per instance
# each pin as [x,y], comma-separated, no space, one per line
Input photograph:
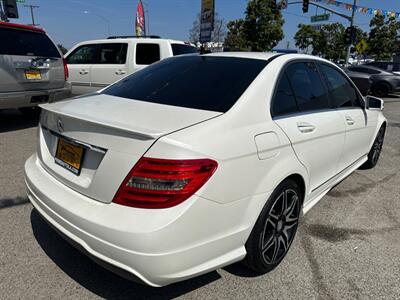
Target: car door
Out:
[315,130]
[350,105]
[110,65]
[80,68]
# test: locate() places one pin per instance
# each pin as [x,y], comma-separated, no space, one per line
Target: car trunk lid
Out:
[114,133]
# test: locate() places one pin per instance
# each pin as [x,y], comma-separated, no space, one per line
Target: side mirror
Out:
[374,103]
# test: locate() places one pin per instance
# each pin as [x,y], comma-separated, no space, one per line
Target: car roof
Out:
[121,40]
[266,55]
[370,67]
[21,26]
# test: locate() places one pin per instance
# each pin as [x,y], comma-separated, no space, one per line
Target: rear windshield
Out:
[26,43]
[200,82]
[178,49]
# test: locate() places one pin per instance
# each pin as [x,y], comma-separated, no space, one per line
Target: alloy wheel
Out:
[377,147]
[280,226]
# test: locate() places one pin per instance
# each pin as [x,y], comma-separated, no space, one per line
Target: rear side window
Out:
[85,54]
[146,54]
[284,101]
[26,43]
[112,53]
[342,93]
[178,49]
[307,86]
[199,82]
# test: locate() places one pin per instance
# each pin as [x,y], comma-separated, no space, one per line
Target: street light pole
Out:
[147,19]
[351,26]
[101,17]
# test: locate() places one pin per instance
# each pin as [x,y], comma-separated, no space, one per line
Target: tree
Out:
[262,26]
[327,42]
[234,39]
[383,38]
[334,39]
[62,48]
[217,35]
[305,37]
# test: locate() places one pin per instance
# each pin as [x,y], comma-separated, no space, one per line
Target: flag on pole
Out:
[140,21]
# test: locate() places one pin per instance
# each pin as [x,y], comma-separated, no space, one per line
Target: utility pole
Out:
[3,16]
[32,16]
[351,26]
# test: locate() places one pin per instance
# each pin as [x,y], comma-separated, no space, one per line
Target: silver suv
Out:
[32,69]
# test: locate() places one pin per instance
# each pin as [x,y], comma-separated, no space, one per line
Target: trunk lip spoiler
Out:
[133,130]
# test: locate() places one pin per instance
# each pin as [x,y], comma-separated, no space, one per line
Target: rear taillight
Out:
[66,73]
[163,183]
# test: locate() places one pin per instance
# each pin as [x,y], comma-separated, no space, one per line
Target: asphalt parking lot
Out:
[348,245]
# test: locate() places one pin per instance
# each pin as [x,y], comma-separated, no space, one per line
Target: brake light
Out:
[66,72]
[163,183]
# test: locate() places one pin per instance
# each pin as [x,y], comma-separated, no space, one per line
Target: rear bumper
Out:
[24,98]
[158,247]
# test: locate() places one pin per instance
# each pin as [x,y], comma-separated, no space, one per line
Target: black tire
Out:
[375,152]
[30,112]
[275,228]
[380,90]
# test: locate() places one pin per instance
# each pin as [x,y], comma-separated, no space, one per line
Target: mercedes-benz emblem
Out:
[60,125]
[34,63]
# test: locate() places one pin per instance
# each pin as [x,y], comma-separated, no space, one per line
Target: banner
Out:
[206,20]
[361,9]
[140,21]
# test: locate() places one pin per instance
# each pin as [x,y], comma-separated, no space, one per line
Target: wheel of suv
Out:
[380,90]
[375,152]
[275,228]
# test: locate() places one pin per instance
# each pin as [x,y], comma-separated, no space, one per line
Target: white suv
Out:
[96,64]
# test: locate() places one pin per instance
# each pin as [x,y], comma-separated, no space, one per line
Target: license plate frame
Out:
[69,156]
[33,75]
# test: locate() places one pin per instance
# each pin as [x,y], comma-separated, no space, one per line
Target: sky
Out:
[67,23]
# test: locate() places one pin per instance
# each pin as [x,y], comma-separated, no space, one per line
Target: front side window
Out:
[342,93]
[112,54]
[146,54]
[284,101]
[192,81]
[85,54]
[307,86]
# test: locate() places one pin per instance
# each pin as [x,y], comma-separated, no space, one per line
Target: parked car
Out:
[32,69]
[96,64]
[393,67]
[363,81]
[210,162]
[383,82]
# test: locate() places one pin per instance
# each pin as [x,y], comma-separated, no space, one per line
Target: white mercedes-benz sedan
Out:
[200,161]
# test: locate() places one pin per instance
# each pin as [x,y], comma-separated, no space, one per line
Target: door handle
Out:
[120,72]
[83,72]
[350,121]
[305,127]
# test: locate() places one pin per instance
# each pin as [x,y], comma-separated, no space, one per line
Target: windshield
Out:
[194,81]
